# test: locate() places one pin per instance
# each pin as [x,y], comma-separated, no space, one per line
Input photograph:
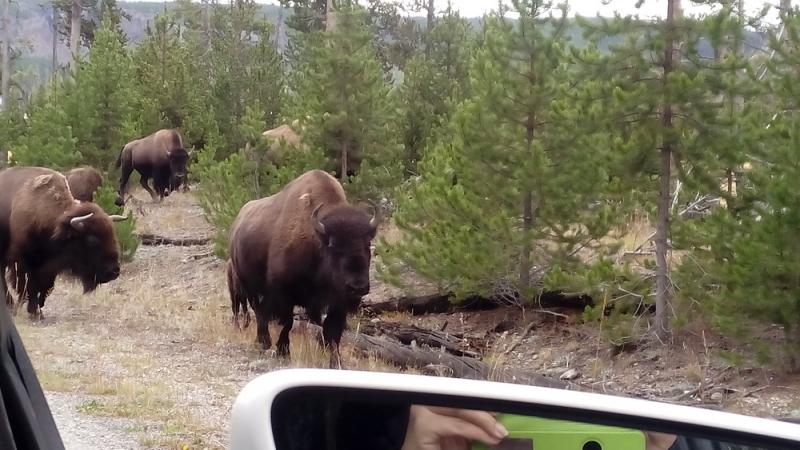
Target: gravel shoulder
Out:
[84,432]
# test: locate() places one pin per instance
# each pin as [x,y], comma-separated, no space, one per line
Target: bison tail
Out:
[119,159]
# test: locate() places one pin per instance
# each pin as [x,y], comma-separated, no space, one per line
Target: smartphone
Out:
[529,433]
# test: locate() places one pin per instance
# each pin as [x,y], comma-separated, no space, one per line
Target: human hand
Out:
[439,428]
[658,441]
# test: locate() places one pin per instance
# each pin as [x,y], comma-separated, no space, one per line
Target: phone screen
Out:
[514,444]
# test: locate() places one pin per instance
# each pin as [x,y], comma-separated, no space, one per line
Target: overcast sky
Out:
[650,8]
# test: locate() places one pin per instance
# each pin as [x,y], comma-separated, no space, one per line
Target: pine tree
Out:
[504,195]
[245,68]
[107,93]
[665,117]
[48,140]
[351,117]
[434,82]
[173,89]
[746,274]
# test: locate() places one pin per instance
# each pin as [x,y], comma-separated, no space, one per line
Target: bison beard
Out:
[304,246]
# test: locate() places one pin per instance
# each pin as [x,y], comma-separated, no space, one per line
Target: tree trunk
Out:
[343,174]
[279,31]
[75,33]
[428,29]
[6,80]
[733,177]
[55,39]
[527,207]
[330,16]
[6,54]
[663,288]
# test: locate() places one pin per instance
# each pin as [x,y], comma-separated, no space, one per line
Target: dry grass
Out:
[158,344]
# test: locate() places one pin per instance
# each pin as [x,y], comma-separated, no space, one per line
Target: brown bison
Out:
[45,232]
[304,246]
[159,156]
[275,154]
[84,181]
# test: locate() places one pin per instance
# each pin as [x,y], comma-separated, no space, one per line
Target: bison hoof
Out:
[37,316]
[270,353]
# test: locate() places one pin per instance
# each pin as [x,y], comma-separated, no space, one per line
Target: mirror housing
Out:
[266,397]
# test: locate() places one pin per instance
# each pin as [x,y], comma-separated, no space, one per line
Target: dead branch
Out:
[199,256]
[418,358]
[408,333]
[441,303]
[521,336]
[154,239]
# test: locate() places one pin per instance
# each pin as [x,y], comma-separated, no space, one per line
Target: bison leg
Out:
[332,330]
[286,319]
[123,180]
[143,181]
[9,297]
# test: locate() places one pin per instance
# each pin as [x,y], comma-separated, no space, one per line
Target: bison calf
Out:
[45,232]
[84,181]
[304,246]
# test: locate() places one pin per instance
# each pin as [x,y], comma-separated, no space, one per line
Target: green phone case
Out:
[549,434]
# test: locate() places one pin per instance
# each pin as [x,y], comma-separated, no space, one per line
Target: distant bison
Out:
[159,156]
[84,181]
[304,246]
[45,232]
[287,133]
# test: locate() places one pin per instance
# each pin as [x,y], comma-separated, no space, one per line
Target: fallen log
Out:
[442,303]
[469,368]
[154,239]
[407,333]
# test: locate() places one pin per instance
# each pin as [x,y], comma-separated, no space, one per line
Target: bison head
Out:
[346,234]
[88,245]
[177,162]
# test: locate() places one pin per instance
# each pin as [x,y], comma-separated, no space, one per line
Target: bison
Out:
[45,232]
[84,181]
[304,246]
[159,156]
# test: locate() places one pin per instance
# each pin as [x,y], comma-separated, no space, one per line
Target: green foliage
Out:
[745,258]
[108,96]
[516,148]
[351,117]
[170,83]
[48,140]
[227,185]
[128,240]
[433,85]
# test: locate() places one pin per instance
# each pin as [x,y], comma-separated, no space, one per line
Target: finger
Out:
[482,419]
[455,426]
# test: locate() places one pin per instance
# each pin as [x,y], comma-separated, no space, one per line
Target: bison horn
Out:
[118,218]
[318,226]
[376,215]
[77,222]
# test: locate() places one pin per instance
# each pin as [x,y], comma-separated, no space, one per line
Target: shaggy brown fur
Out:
[282,255]
[84,181]
[160,156]
[45,232]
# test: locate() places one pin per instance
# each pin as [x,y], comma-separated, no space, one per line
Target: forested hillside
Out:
[32,28]
[626,186]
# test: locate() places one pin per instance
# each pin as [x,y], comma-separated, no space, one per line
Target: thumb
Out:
[456,426]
